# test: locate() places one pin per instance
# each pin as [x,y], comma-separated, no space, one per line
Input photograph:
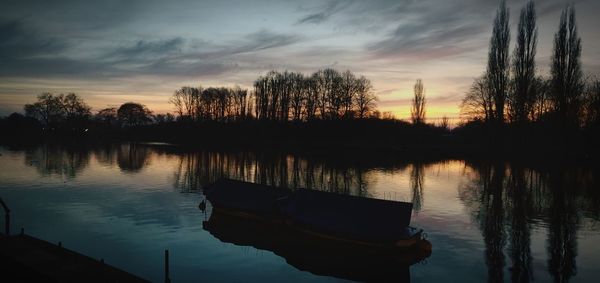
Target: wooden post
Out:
[7,223]
[167,279]
[6,217]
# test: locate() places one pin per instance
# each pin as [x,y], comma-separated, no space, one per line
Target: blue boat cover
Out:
[359,218]
[243,196]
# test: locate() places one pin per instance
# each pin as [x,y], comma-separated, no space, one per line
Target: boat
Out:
[379,226]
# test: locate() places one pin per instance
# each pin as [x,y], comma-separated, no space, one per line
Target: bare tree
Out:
[478,103]
[48,109]
[240,102]
[75,107]
[187,101]
[348,90]
[417,113]
[498,66]
[107,115]
[298,95]
[567,78]
[365,99]
[522,96]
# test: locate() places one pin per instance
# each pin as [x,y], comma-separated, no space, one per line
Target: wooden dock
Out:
[27,259]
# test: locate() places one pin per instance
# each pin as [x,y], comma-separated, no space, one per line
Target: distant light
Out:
[85,130]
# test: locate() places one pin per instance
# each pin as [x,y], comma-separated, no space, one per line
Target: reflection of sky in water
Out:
[126,204]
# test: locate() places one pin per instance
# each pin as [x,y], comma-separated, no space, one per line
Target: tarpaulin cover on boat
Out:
[243,196]
[352,217]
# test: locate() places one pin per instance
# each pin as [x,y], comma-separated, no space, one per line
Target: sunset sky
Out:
[111,52]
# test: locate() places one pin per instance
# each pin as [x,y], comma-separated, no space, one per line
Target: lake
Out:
[127,203]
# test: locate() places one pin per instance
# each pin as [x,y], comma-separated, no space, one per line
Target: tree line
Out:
[279,97]
[70,111]
[512,91]
[282,96]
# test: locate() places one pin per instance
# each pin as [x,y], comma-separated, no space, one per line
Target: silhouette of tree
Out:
[543,103]
[107,115]
[417,114]
[478,103]
[326,94]
[444,123]
[521,98]
[48,109]
[133,114]
[75,107]
[348,91]
[52,110]
[298,95]
[239,103]
[186,101]
[164,118]
[498,65]
[567,82]
[365,99]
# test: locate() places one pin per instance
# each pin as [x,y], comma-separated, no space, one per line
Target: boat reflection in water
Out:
[319,252]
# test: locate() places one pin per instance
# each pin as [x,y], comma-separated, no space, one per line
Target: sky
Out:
[111,52]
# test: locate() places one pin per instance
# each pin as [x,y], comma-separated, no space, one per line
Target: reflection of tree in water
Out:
[201,168]
[498,203]
[416,185]
[562,234]
[63,161]
[492,220]
[520,187]
[106,154]
[132,157]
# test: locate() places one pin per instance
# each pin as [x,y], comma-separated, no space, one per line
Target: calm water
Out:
[126,203]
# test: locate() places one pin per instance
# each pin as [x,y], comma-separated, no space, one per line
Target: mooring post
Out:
[6,217]
[167,279]
[7,222]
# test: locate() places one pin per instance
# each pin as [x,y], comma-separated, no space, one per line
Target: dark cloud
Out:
[25,52]
[264,40]
[18,41]
[144,49]
[426,32]
[324,12]
[548,7]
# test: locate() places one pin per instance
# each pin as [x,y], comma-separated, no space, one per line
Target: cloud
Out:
[324,12]
[18,41]
[24,52]
[427,32]
[144,49]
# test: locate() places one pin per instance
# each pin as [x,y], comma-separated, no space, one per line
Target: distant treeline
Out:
[281,96]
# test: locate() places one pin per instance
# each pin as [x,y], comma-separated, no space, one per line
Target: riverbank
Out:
[357,137]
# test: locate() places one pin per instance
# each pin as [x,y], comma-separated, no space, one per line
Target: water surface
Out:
[126,203]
